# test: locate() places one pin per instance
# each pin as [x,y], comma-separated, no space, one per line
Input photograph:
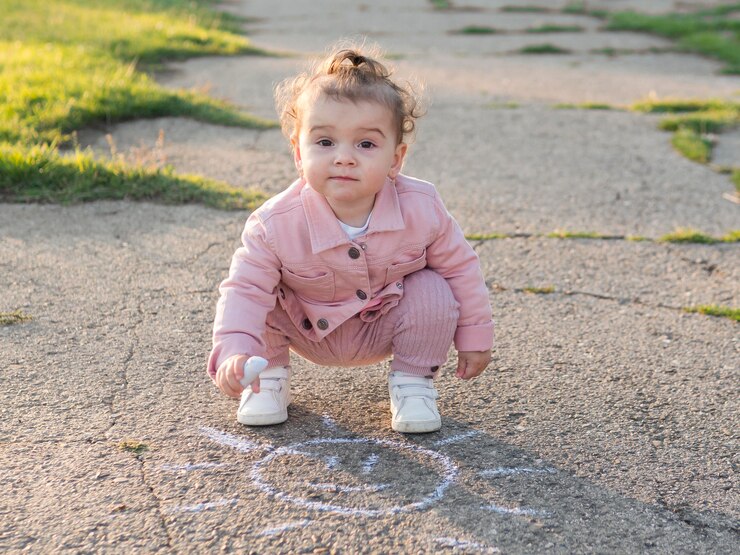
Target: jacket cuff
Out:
[474,338]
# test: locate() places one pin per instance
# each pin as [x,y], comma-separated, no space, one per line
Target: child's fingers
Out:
[255,385]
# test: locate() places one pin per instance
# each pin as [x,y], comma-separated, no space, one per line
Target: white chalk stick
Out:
[252,369]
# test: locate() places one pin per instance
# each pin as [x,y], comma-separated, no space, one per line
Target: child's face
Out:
[346,151]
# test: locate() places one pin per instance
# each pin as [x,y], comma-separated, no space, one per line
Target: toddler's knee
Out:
[431,294]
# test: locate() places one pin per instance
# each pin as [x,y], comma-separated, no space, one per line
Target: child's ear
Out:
[398,158]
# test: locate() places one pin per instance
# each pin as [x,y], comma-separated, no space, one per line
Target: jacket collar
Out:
[324,228]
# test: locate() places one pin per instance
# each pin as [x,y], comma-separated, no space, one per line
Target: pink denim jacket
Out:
[295,252]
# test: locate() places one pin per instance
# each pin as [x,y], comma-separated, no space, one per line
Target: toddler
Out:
[354,261]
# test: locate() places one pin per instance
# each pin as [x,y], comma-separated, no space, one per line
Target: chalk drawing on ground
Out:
[300,493]
[359,477]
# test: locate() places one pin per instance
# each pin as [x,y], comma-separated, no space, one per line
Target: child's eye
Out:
[367,144]
[324,142]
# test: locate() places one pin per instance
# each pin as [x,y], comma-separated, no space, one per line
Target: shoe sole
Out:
[262,419]
[421,427]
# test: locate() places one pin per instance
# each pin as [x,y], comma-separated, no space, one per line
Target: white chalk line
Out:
[350,489]
[516,511]
[513,471]
[449,474]
[230,440]
[369,464]
[462,544]
[453,439]
[189,467]
[200,507]
[284,527]
[332,461]
[329,421]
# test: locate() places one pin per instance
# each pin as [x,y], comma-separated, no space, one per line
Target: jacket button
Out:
[361,294]
[323,324]
[307,325]
[354,253]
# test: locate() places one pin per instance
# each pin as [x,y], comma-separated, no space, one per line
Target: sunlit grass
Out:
[543,49]
[14,317]
[716,310]
[68,64]
[40,174]
[692,145]
[555,29]
[709,32]
[692,120]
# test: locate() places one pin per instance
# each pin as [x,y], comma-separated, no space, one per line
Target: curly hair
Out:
[348,74]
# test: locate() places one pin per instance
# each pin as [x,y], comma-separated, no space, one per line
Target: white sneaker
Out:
[413,404]
[270,405]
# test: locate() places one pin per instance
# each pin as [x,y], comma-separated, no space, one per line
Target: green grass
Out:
[524,9]
[736,179]
[716,310]
[441,4]
[692,120]
[562,234]
[547,290]
[133,446]
[502,105]
[692,145]
[476,30]
[688,235]
[68,64]
[486,236]
[543,49]
[583,106]
[15,317]
[708,32]
[41,174]
[555,29]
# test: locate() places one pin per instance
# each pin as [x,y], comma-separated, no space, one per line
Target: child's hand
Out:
[472,363]
[230,373]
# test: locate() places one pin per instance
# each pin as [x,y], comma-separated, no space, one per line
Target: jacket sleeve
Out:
[451,256]
[247,297]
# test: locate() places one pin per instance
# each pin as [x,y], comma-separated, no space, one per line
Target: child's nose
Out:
[344,156]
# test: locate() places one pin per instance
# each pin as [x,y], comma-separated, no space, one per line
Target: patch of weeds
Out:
[502,105]
[67,64]
[41,174]
[133,446]
[441,4]
[688,235]
[583,106]
[716,310]
[562,234]
[547,290]
[691,120]
[732,236]
[555,29]
[580,8]
[543,49]
[14,317]
[476,30]
[736,179]
[637,238]
[673,106]
[692,145]
[486,236]
[702,122]
[707,32]
[524,9]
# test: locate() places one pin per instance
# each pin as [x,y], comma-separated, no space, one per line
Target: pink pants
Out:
[418,332]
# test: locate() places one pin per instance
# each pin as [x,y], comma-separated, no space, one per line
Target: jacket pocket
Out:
[401,269]
[317,288]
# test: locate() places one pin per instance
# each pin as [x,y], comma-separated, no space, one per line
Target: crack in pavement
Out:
[498,288]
